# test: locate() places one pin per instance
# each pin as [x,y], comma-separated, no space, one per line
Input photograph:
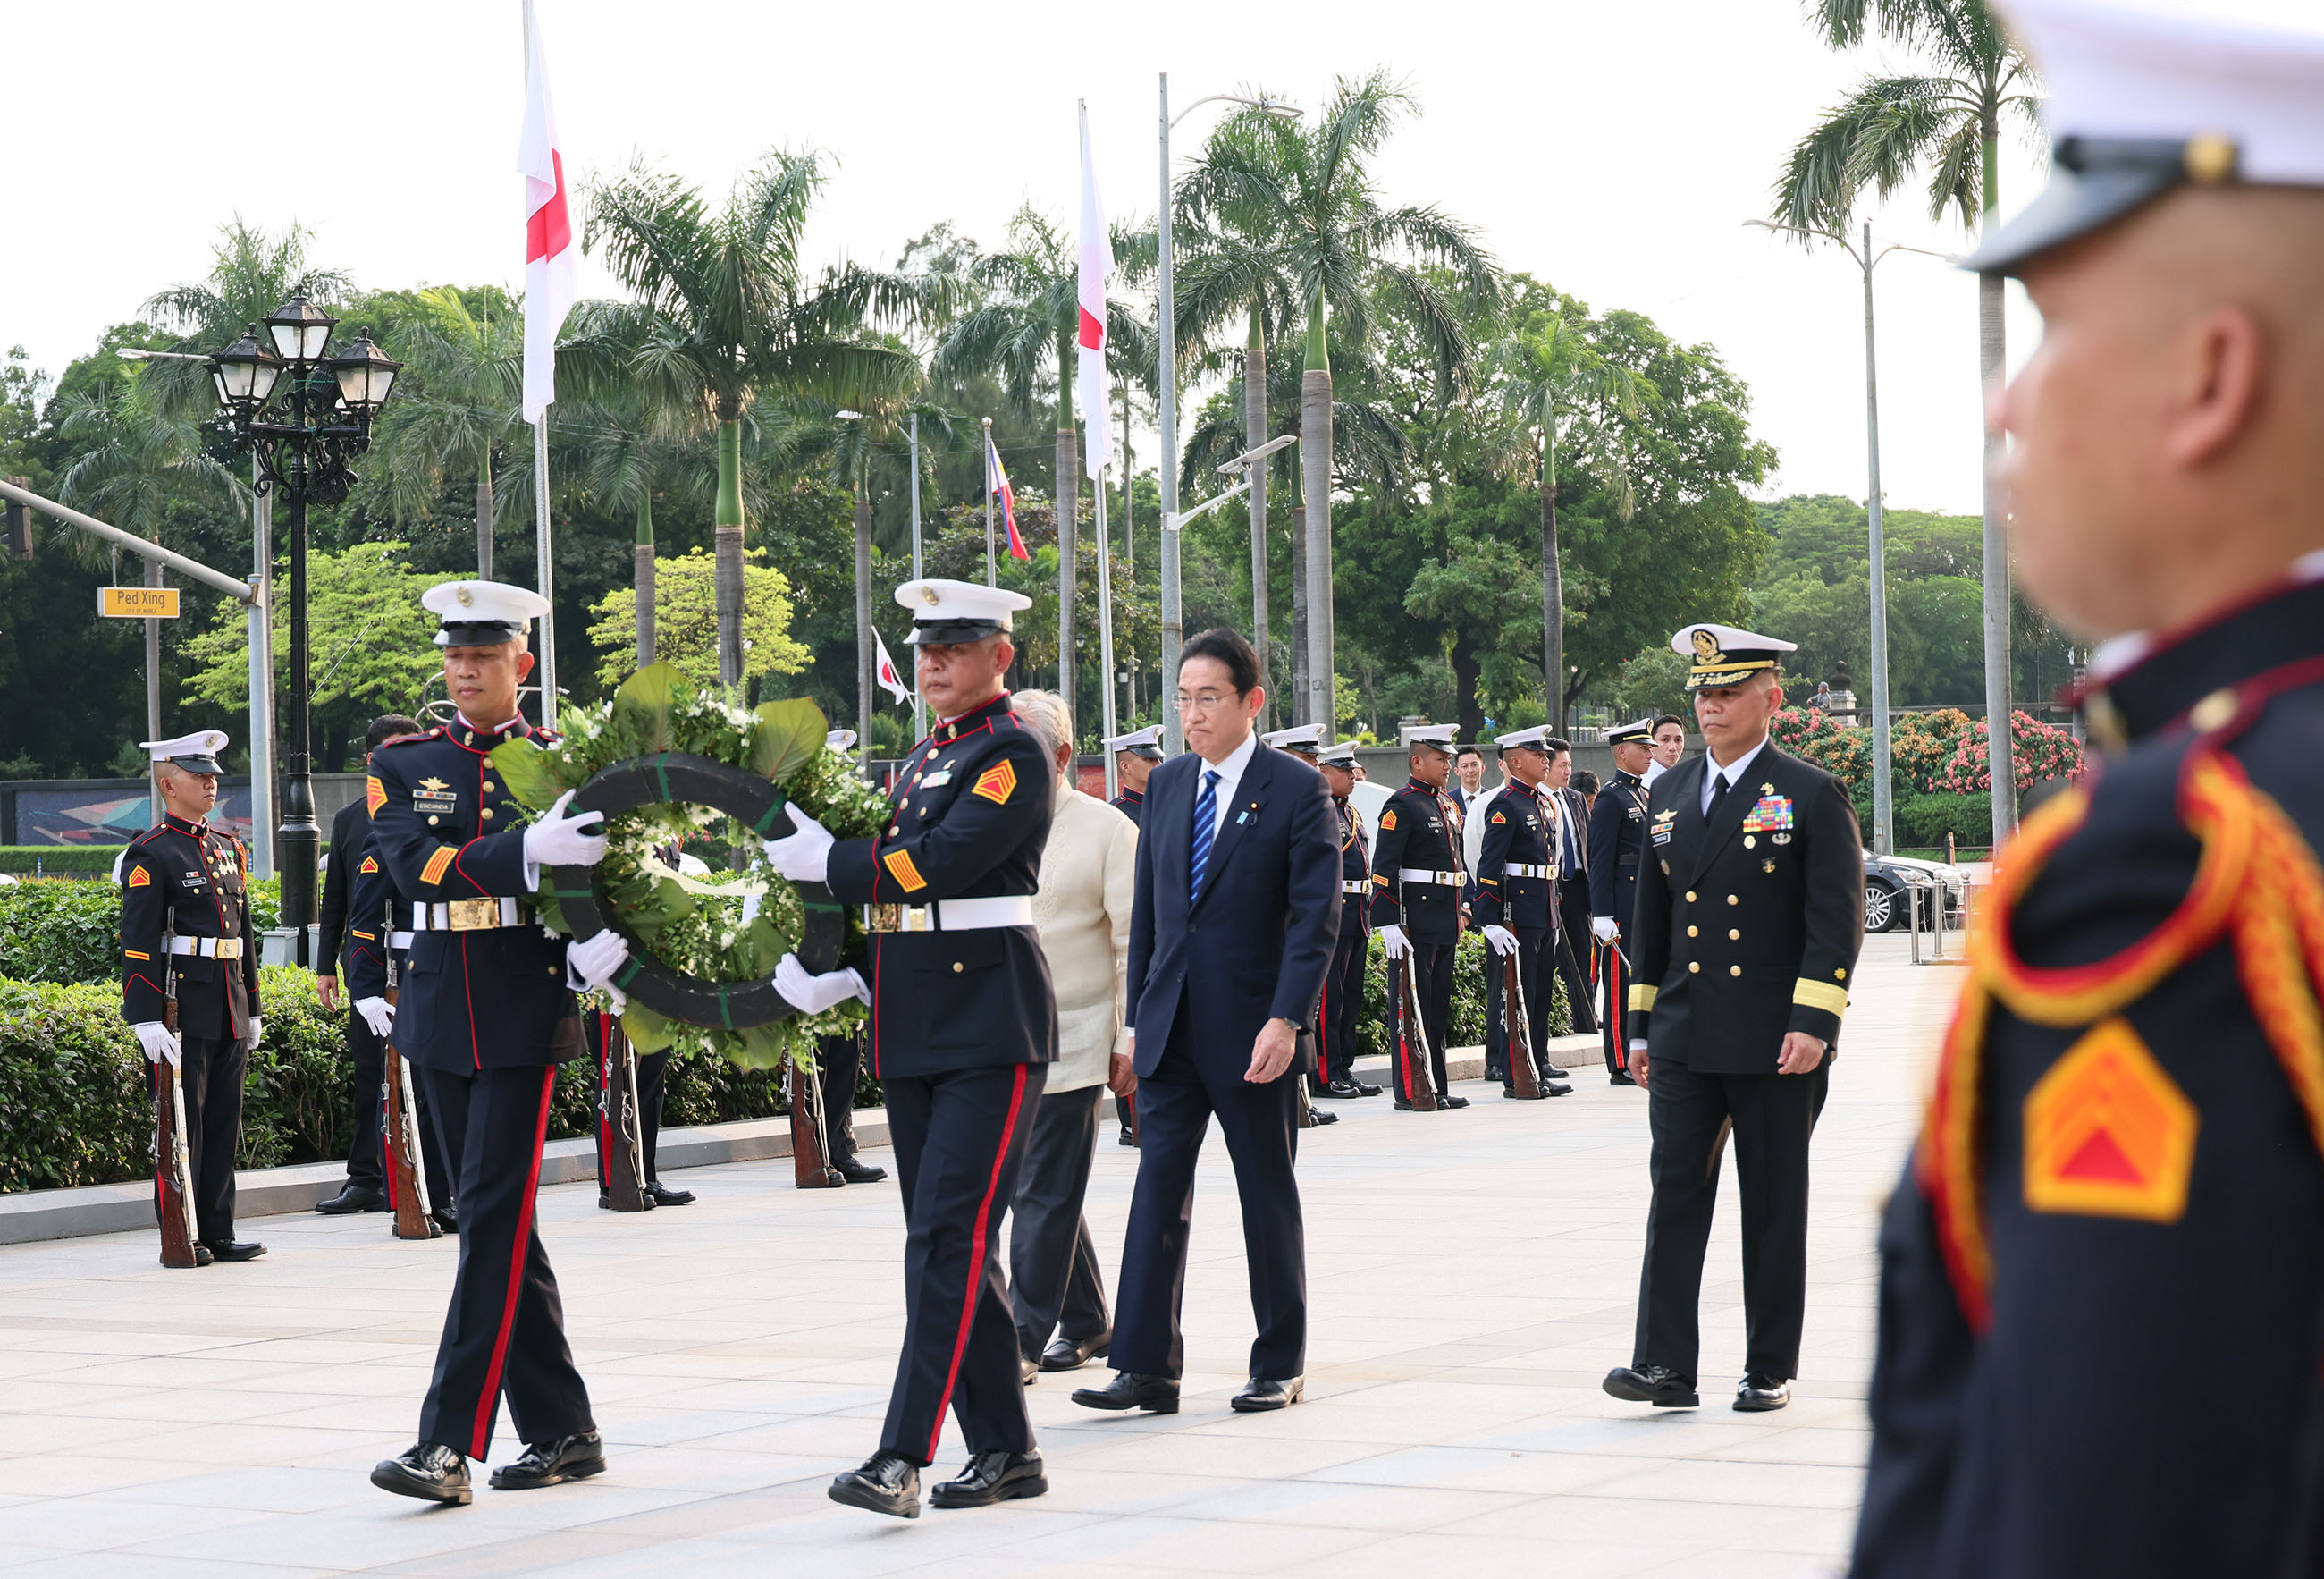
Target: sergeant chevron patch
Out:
[374,795]
[140,878]
[997,783]
[370,863]
[2108,1133]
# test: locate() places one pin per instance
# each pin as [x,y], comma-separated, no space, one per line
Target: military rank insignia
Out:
[1499,817]
[1769,813]
[140,878]
[2108,1133]
[374,795]
[899,866]
[1387,821]
[434,795]
[370,864]
[1666,821]
[438,864]
[997,783]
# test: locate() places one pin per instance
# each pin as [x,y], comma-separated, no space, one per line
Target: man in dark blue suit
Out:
[1230,936]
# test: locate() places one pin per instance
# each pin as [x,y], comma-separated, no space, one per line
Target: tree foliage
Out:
[685,622]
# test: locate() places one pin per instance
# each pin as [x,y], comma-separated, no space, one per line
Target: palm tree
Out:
[1312,190]
[1030,314]
[727,314]
[458,408]
[251,275]
[1951,122]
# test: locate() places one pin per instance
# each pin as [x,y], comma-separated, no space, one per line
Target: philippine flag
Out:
[996,481]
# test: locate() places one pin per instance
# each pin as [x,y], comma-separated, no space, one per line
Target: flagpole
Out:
[542,547]
[920,708]
[1105,632]
[992,577]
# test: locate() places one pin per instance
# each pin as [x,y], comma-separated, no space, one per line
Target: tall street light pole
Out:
[1884,814]
[919,707]
[1173,623]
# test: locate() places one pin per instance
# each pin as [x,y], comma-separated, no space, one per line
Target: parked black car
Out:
[1888,878]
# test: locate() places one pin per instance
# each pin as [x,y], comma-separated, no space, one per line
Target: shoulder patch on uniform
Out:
[2108,1133]
[1499,817]
[137,954]
[438,864]
[1387,820]
[374,795]
[997,783]
[140,878]
[370,863]
[899,866]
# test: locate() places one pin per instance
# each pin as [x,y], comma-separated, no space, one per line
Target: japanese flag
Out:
[551,260]
[1097,261]
[885,670]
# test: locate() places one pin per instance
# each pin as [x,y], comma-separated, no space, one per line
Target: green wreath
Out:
[696,926]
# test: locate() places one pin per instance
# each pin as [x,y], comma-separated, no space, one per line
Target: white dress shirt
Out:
[1229,772]
[1732,772]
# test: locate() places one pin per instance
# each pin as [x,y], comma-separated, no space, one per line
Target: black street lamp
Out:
[305,444]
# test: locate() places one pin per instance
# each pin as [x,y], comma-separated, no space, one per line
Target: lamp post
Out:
[1173,616]
[304,445]
[1884,816]
[863,665]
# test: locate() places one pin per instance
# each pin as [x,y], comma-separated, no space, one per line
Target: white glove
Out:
[594,960]
[805,856]
[1393,939]
[257,1030]
[158,1040]
[815,993]
[378,1013]
[1604,929]
[558,840]
[1501,940]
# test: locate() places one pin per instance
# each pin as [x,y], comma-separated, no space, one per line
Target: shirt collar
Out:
[951,729]
[1733,771]
[1231,770]
[2146,682]
[476,737]
[196,828]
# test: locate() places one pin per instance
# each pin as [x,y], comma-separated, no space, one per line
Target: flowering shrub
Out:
[2039,752]
[1814,735]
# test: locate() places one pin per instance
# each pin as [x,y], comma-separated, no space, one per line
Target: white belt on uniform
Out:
[468,915]
[1352,887]
[206,947]
[1440,879]
[399,940]
[1514,870]
[1011,910]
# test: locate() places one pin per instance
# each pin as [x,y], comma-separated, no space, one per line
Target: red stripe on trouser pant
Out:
[1616,1011]
[976,1258]
[605,1086]
[1324,1032]
[519,1247]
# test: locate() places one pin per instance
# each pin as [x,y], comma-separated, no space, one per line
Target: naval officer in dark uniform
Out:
[486,1010]
[1418,880]
[1134,755]
[1341,1014]
[839,1068]
[1617,836]
[2101,1310]
[1517,905]
[377,939]
[1750,914]
[184,913]
[963,1031]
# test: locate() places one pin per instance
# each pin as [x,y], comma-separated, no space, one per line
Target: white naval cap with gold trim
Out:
[945,612]
[1140,743]
[1305,738]
[1438,736]
[840,740]
[1724,655]
[1640,731]
[482,614]
[196,753]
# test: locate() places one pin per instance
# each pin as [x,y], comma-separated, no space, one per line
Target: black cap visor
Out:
[477,633]
[946,632]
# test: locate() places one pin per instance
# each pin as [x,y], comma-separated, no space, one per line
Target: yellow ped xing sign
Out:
[138,602]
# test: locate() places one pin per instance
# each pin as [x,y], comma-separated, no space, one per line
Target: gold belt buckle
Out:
[473,915]
[919,919]
[882,917]
[229,948]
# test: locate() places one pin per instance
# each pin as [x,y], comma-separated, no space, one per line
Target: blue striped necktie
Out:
[1206,815]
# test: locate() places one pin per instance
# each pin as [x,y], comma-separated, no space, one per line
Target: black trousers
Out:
[960,1139]
[366,1155]
[210,1070]
[1261,1126]
[1772,1118]
[1614,1013]
[504,1332]
[1430,966]
[1054,1283]
[1532,947]
[839,1065]
[1575,961]
[1341,1015]
[444,1104]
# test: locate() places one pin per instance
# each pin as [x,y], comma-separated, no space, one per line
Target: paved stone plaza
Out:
[1471,1277]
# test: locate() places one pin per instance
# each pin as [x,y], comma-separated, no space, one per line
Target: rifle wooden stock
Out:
[1420,1079]
[1517,1030]
[407,1177]
[173,1173]
[811,1167]
[620,1150]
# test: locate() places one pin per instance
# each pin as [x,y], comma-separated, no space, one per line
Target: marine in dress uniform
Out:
[1516,906]
[1342,1012]
[1134,755]
[1418,881]
[1618,835]
[963,1031]
[373,940]
[1750,912]
[2101,1310]
[184,912]
[484,1007]
[839,1070]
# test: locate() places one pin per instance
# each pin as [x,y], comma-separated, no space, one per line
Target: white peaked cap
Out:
[1298,737]
[1147,742]
[196,753]
[1538,738]
[482,614]
[959,610]
[840,740]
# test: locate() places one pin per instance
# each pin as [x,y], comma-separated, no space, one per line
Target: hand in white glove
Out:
[592,961]
[378,1013]
[1605,929]
[815,993]
[257,1030]
[803,856]
[1393,939]
[158,1040]
[558,840]
[1501,940]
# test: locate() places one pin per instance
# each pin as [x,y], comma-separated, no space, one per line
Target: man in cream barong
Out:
[1088,879]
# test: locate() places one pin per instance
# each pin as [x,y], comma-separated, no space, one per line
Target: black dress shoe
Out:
[1029,1369]
[1346,1088]
[1262,1393]
[993,1477]
[666,1196]
[1510,1091]
[1658,1385]
[1129,1136]
[234,1250]
[1551,1072]
[353,1197]
[549,1464]
[427,1470]
[448,1218]
[1157,1395]
[1756,1394]
[1072,1353]
[1621,1078]
[888,1483]
[1451,1101]
[1556,1088]
[856,1171]
[1317,1119]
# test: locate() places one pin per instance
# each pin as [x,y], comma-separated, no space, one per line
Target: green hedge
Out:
[70,931]
[53,860]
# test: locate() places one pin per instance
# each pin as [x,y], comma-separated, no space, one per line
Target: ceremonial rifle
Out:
[1420,1080]
[407,1178]
[811,1167]
[1516,1027]
[620,1150]
[172,1168]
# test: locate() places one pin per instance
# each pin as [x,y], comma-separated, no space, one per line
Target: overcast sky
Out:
[1615,151]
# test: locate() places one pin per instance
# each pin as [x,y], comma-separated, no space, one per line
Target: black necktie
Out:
[1718,796]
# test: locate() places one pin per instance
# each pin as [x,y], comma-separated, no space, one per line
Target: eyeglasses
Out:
[1208,702]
